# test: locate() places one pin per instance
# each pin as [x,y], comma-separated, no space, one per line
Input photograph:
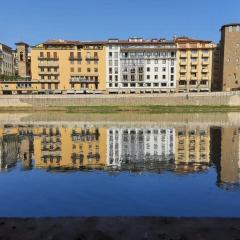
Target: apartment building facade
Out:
[194,65]
[140,66]
[68,67]
[6,61]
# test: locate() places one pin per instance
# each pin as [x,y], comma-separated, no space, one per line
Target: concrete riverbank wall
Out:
[195,99]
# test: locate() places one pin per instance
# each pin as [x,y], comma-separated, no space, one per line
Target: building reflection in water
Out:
[181,150]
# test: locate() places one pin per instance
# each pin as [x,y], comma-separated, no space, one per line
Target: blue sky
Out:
[36,21]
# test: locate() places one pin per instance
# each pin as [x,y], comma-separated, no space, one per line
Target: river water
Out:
[59,164]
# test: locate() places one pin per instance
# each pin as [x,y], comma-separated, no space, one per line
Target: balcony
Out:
[183,70]
[48,58]
[204,70]
[83,79]
[205,77]
[183,63]
[194,70]
[48,64]
[194,63]
[72,58]
[46,81]
[92,59]
[48,73]
[183,78]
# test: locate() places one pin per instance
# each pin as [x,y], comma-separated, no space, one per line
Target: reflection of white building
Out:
[8,151]
[139,144]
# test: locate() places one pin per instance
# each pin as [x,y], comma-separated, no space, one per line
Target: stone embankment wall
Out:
[197,99]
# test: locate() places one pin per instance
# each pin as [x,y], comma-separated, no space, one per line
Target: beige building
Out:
[230,57]
[68,67]
[194,65]
[6,61]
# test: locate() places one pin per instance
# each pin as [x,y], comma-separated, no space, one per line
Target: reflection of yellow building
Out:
[192,147]
[68,67]
[69,148]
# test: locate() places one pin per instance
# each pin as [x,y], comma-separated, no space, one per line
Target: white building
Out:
[140,66]
[6,61]
[139,145]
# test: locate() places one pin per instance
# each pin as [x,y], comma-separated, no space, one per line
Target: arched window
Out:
[21,56]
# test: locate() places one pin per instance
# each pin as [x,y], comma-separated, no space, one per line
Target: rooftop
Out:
[229,25]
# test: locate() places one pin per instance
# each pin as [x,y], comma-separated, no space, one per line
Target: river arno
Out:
[58,164]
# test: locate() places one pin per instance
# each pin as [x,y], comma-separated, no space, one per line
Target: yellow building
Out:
[194,65]
[68,67]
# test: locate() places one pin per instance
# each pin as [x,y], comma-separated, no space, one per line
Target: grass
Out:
[152,109]
[136,109]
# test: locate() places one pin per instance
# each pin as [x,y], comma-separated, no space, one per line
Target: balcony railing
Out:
[72,58]
[49,58]
[48,64]
[92,59]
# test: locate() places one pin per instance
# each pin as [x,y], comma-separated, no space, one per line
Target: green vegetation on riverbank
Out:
[137,109]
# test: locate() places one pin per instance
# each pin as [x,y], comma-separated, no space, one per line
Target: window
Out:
[79,69]
[116,55]
[49,77]
[125,77]
[230,29]
[172,77]
[148,76]
[110,78]
[164,61]
[116,70]
[238,28]
[156,77]
[88,70]
[172,54]
[164,77]
[42,69]
[48,55]
[71,55]
[163,84]
[156,61]
[72,69]
[194,51]
[148,69]
[156,69]
[95,70]
[49,85]
[110,70]
[172,70]
[116,62]
[110,54]
[41,54]
[164,69]
[55,70]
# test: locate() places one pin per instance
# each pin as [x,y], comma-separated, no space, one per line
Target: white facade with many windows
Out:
[6,61]
[140,66]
